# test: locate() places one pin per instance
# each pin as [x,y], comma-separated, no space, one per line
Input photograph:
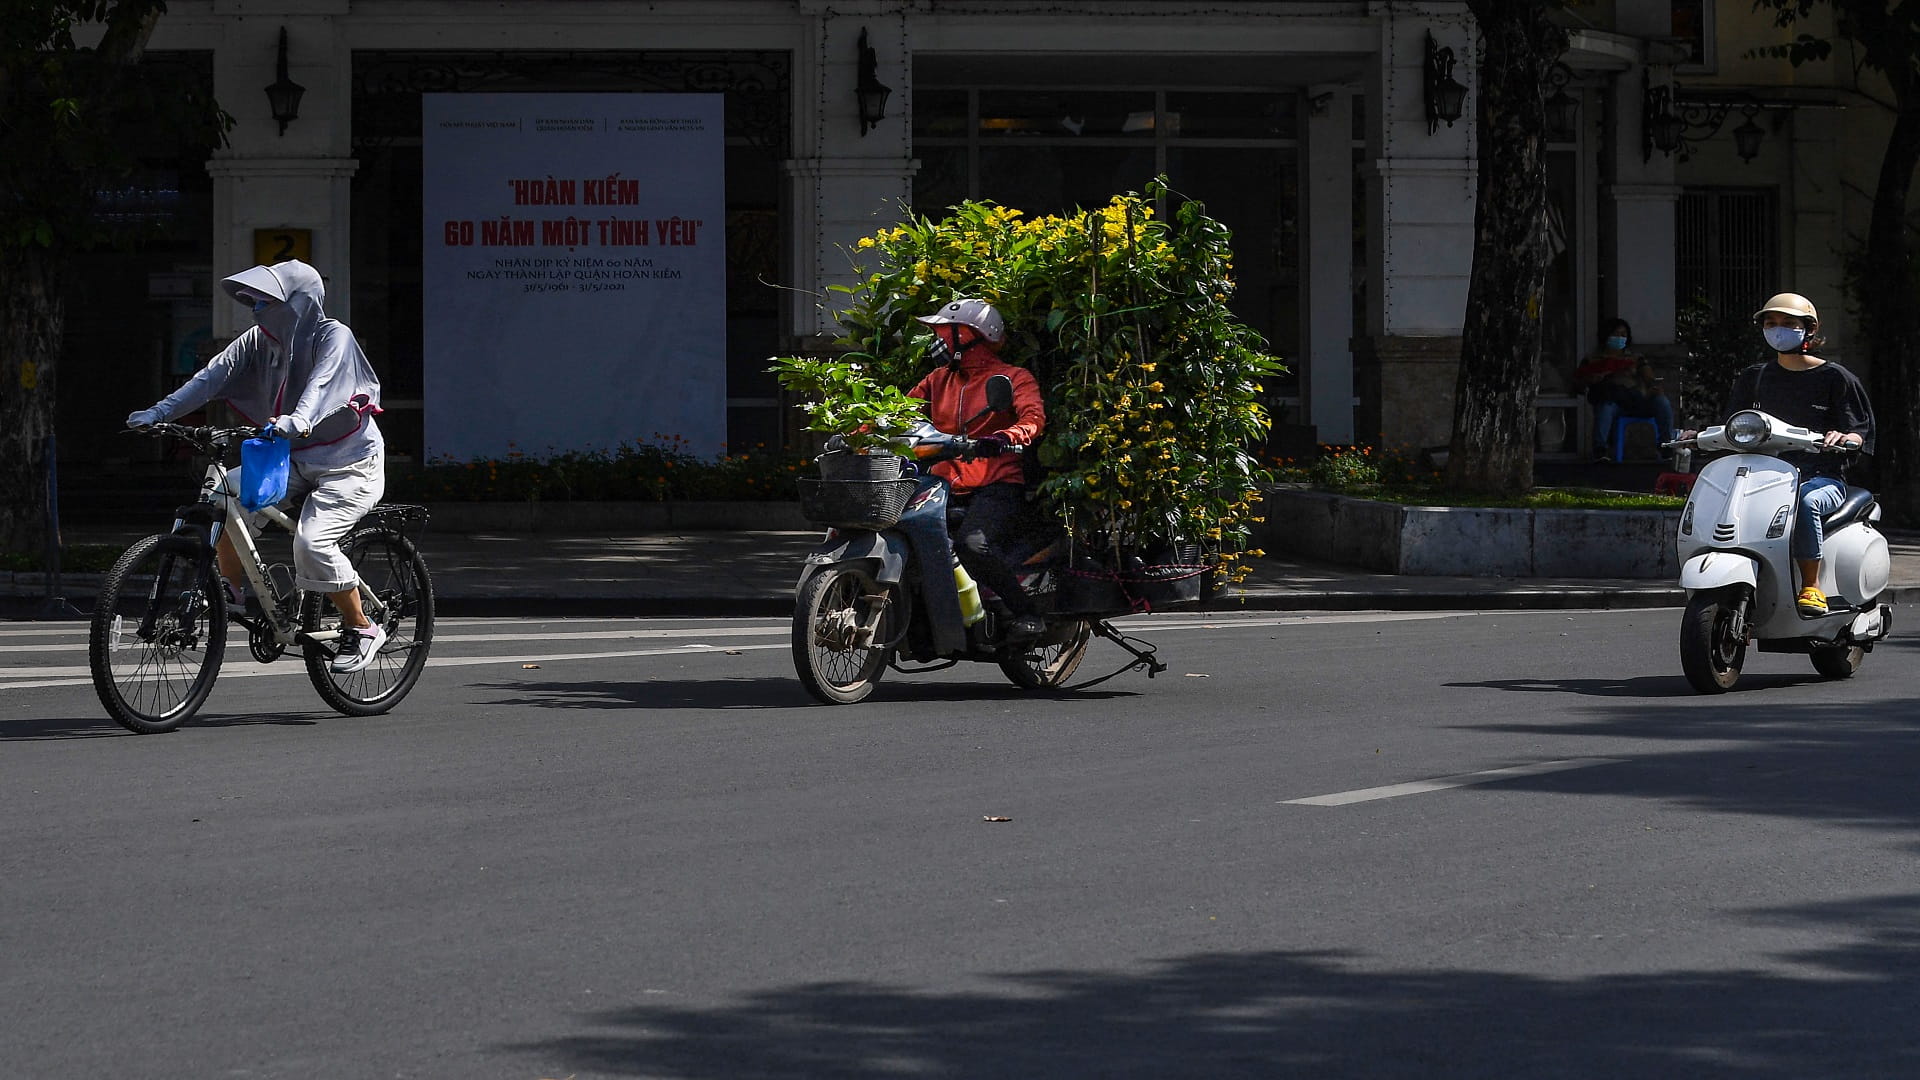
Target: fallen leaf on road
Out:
[1198,675]
[990,817]
[733,652]
[529,667]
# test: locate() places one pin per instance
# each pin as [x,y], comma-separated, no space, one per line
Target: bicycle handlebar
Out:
[204,437]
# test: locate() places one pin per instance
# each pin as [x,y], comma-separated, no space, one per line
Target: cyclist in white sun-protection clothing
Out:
[304,375]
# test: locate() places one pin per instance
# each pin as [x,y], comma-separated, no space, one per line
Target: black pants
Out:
[981,537]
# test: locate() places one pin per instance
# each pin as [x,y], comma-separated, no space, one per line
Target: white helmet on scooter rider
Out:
[1793,304]
[971,312]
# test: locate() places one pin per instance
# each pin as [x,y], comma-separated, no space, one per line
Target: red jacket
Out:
[953,396]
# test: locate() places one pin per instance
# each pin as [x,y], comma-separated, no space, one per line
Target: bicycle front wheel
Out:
[392,570]
[157,638]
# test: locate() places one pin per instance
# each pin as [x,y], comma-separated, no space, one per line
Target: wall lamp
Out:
[1563,109]
[1445,96]
[869,90]
[1668,123]
[283,97]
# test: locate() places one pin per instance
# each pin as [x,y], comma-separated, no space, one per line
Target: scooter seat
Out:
[1858,504]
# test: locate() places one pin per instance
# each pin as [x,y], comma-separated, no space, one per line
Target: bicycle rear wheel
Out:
[392,570]
[157,638]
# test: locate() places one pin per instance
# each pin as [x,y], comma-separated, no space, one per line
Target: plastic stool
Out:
[1673,483]
[1620,433]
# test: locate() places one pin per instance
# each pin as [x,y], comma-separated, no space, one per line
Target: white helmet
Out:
[1793,304]
[970,312]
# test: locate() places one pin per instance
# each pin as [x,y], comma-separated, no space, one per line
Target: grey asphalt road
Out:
[1366,845]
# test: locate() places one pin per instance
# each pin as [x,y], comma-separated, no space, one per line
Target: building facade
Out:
[1306,126]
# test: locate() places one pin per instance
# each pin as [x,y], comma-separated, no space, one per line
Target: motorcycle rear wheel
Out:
[1710,652]
[1052,660]
[830,608]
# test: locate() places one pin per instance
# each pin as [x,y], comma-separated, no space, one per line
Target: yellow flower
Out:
[1156,386]
[865,242]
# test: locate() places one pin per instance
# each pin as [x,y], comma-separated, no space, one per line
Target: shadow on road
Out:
[93,727]
[753,693]
[1644,686]
[1837,1011]
[1845,762]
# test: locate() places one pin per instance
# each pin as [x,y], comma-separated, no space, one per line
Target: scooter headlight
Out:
[1747,429]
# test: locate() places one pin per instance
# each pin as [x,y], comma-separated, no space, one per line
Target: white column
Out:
[1420,204]
[846,182]
[1637,208]
[297,180]
[1421,189]
[1327,300]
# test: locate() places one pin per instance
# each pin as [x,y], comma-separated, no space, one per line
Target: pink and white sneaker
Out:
[358,646]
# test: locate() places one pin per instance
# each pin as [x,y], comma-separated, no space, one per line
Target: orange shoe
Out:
[1812,602]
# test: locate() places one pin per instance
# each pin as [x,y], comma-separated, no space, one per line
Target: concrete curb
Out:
[613,517]
[1463,541]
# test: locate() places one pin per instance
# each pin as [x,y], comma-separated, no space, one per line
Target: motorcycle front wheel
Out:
[835,660]
[1711,651]
[1051,661]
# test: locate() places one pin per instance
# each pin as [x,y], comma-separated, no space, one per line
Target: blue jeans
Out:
[1819,496]
[1608,409]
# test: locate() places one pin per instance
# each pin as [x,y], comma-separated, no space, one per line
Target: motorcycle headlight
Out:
[1747,429]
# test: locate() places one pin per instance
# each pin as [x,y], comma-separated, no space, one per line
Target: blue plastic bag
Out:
[263,472]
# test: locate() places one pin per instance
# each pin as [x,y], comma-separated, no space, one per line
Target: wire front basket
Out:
[855,504]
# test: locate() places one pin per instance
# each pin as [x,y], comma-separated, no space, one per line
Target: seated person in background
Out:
[1619,382]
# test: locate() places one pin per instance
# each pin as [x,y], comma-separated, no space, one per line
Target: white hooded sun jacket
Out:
[293,362]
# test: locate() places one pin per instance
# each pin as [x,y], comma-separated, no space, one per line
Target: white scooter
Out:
[1736,566]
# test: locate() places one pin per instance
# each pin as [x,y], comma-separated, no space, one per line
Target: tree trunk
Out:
[1889,292]
[1493,412]
[31,322]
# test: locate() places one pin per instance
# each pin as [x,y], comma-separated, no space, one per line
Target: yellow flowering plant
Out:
[1152,385]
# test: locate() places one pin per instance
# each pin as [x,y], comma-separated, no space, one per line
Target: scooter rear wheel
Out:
[1838,662]
[828,620]
[1711,652]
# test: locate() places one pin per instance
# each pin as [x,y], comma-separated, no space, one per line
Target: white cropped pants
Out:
[336,498]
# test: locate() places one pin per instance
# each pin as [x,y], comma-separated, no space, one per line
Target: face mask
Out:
[1616,343]
[1784,338]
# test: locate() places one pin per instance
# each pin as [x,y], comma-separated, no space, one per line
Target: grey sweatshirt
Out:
[293,362]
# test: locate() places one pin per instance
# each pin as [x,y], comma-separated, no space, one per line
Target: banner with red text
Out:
[574,272]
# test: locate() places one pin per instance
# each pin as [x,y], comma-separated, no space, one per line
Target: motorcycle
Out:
[1736,565]
[885,585]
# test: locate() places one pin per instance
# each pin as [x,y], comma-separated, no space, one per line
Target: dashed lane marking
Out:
[1417,787]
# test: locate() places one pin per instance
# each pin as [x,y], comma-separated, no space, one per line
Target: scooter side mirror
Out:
[1000,394]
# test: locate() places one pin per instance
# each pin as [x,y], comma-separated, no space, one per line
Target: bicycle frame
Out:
[225,516]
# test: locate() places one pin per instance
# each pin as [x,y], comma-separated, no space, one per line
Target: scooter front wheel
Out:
[841,635]
[1712,648]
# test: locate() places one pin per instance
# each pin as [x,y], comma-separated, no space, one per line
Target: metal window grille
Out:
[1726,252]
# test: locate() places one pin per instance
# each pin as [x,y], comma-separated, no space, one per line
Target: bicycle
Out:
[159,628]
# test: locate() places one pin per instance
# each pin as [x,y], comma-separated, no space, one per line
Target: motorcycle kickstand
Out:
[1141,658]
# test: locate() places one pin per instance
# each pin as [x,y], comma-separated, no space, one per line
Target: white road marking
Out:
[25,676]
[1490,776]
[291,665]
[620,635]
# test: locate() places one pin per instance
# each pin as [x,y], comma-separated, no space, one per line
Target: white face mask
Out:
[1784,338]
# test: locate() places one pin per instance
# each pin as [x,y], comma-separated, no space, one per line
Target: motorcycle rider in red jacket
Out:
[992,486]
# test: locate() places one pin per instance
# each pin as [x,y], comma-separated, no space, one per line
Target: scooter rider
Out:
[968,334]
[292,368]
[1816,394]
